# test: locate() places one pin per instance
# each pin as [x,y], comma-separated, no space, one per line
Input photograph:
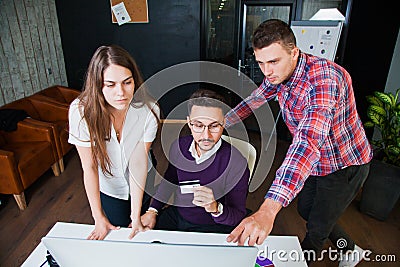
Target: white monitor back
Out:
[73,252]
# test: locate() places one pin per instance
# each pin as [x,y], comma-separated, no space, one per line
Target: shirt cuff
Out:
[220,209]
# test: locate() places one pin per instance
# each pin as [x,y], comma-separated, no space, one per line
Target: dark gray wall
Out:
[370,44]
[172,36]
[393,81]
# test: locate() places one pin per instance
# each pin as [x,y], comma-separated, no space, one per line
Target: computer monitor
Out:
[73,252]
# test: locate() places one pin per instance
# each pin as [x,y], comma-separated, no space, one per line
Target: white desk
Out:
[282,250]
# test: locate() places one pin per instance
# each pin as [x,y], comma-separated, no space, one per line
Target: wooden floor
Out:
[62,198]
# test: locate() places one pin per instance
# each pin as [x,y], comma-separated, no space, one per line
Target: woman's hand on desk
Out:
[137,227]
[101,228]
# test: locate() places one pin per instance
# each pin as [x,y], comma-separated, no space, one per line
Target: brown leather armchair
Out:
[49,114]
[25,155]
[59,94]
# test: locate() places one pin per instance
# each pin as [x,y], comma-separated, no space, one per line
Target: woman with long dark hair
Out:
[113,124]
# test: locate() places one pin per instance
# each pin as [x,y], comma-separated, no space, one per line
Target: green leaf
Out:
[385,98]
[394,150]
[393,100]
[379,110]
[374,100]
[375,117]
[369,124]
[397,95]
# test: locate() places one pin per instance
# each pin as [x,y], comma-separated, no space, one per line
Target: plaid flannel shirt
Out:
[319,108]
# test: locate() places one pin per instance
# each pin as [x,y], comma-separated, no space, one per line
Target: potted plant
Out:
[381,190]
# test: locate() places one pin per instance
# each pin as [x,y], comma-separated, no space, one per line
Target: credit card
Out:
[187,187]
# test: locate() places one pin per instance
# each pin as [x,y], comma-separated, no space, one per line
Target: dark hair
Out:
[206,98]
[274,31]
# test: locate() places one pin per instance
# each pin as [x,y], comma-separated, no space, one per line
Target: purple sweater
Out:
[226,173]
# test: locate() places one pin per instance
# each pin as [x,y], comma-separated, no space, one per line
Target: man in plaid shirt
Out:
[328,160]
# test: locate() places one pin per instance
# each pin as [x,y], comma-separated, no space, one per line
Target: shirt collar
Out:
[297,73]
[206,155]
[131,118]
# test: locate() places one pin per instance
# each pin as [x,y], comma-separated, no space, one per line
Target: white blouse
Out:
[140,125]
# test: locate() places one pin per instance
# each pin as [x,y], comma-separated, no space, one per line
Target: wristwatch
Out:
[220,210]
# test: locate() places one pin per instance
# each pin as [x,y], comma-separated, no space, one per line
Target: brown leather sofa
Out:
[48,114]
[25,155]
[58,94]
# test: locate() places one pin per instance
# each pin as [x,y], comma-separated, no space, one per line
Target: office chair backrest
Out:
[248,150]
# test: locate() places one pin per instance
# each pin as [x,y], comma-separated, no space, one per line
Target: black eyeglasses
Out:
[199,127]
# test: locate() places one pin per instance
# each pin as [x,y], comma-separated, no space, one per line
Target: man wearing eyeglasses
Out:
[208,176]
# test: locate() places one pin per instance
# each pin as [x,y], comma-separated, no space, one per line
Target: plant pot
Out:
[381,190]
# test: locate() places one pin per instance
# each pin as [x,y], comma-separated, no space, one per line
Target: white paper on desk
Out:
[120,13]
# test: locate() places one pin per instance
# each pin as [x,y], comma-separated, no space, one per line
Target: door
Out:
[252,14]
